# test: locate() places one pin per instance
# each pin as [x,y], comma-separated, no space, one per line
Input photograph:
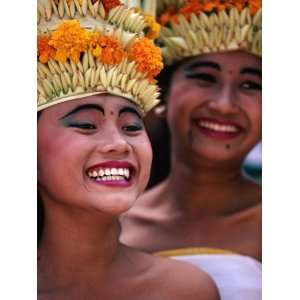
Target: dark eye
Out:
[251,85]
[83,125]
[133,127]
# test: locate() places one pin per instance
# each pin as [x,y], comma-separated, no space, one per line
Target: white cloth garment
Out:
[237,277]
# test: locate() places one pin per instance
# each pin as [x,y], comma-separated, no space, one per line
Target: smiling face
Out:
[214,106]
[93,153]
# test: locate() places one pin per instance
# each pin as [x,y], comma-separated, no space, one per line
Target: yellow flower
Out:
[153,27]
[70,40]
[147,56]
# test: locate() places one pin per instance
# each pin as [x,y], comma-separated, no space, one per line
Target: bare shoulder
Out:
[180,281]
[154,277]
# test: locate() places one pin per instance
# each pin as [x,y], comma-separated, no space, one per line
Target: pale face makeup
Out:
[93,154]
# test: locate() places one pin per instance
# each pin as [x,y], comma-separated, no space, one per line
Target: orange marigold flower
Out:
[239,4]
[206,6]
[191,6]
[254,6]
[107,49]
[167,15]
[109,4]
[153,27]
[70,40]
[45,51]
[147,56]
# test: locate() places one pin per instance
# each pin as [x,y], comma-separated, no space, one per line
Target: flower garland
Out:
[206,6]
[153,28]
[147,56]
[45,51]
[70,40]
[107,49]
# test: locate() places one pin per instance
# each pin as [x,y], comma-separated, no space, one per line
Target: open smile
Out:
[112,173]
[218,129]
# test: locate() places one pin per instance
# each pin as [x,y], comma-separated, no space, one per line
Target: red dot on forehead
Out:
[111,113]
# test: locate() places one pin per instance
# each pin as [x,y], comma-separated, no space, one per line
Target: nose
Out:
[224,102]
[113,142]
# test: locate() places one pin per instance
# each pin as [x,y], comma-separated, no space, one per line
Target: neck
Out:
[75,245]
[204,188]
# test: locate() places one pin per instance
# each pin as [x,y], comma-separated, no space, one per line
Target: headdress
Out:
[194,27]
[88,47]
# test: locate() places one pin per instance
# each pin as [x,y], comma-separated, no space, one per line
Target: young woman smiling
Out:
[94,160]
[207,212]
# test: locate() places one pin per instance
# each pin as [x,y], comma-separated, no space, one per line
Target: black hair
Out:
[165,78]
[161,139]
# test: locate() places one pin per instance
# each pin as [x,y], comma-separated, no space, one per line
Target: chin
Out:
[219,155]
[115,204]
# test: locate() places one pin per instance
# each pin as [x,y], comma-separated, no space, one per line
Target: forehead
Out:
[106,101]
[227,60]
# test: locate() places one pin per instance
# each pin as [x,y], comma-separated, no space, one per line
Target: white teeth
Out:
[126,173]
[120,171]
[218,127]
[110,174]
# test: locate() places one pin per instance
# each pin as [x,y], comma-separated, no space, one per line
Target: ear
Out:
[161,111]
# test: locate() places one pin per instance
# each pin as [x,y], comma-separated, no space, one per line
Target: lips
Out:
[112,173]
[218,129]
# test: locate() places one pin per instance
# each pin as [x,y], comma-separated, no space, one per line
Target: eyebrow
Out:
[203,64]
[128,109]
[251,71]
[83,107]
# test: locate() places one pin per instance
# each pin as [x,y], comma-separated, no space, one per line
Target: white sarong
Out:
[237,277]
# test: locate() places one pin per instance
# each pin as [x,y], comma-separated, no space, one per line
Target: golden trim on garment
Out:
[192,251]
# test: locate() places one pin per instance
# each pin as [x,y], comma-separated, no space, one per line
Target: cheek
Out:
[255,116]
[182,100]
[57,156]
[144,155]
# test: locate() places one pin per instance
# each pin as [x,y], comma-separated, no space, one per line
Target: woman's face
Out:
[93,153]
[214,106]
